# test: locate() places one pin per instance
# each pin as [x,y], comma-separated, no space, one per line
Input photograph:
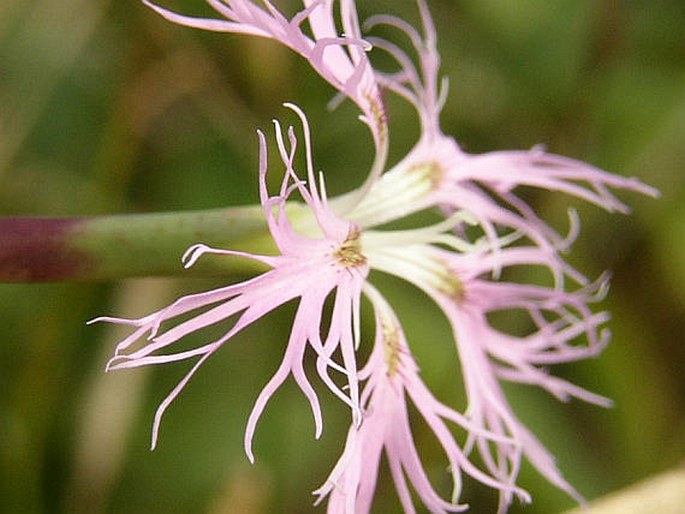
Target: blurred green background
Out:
[107,108]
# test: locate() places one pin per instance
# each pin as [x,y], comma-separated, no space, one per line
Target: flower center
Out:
[451,286]
[349,253]
[379,116]
[391,345]
[431,171]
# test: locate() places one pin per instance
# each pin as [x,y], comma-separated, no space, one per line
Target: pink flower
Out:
[392,377]
[308,268]
[340,59]
[329,248]
[461,286]
[485,184]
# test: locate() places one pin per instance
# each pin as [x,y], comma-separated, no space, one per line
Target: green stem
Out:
[119,246]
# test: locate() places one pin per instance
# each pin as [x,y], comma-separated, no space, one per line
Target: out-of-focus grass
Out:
[107,108]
